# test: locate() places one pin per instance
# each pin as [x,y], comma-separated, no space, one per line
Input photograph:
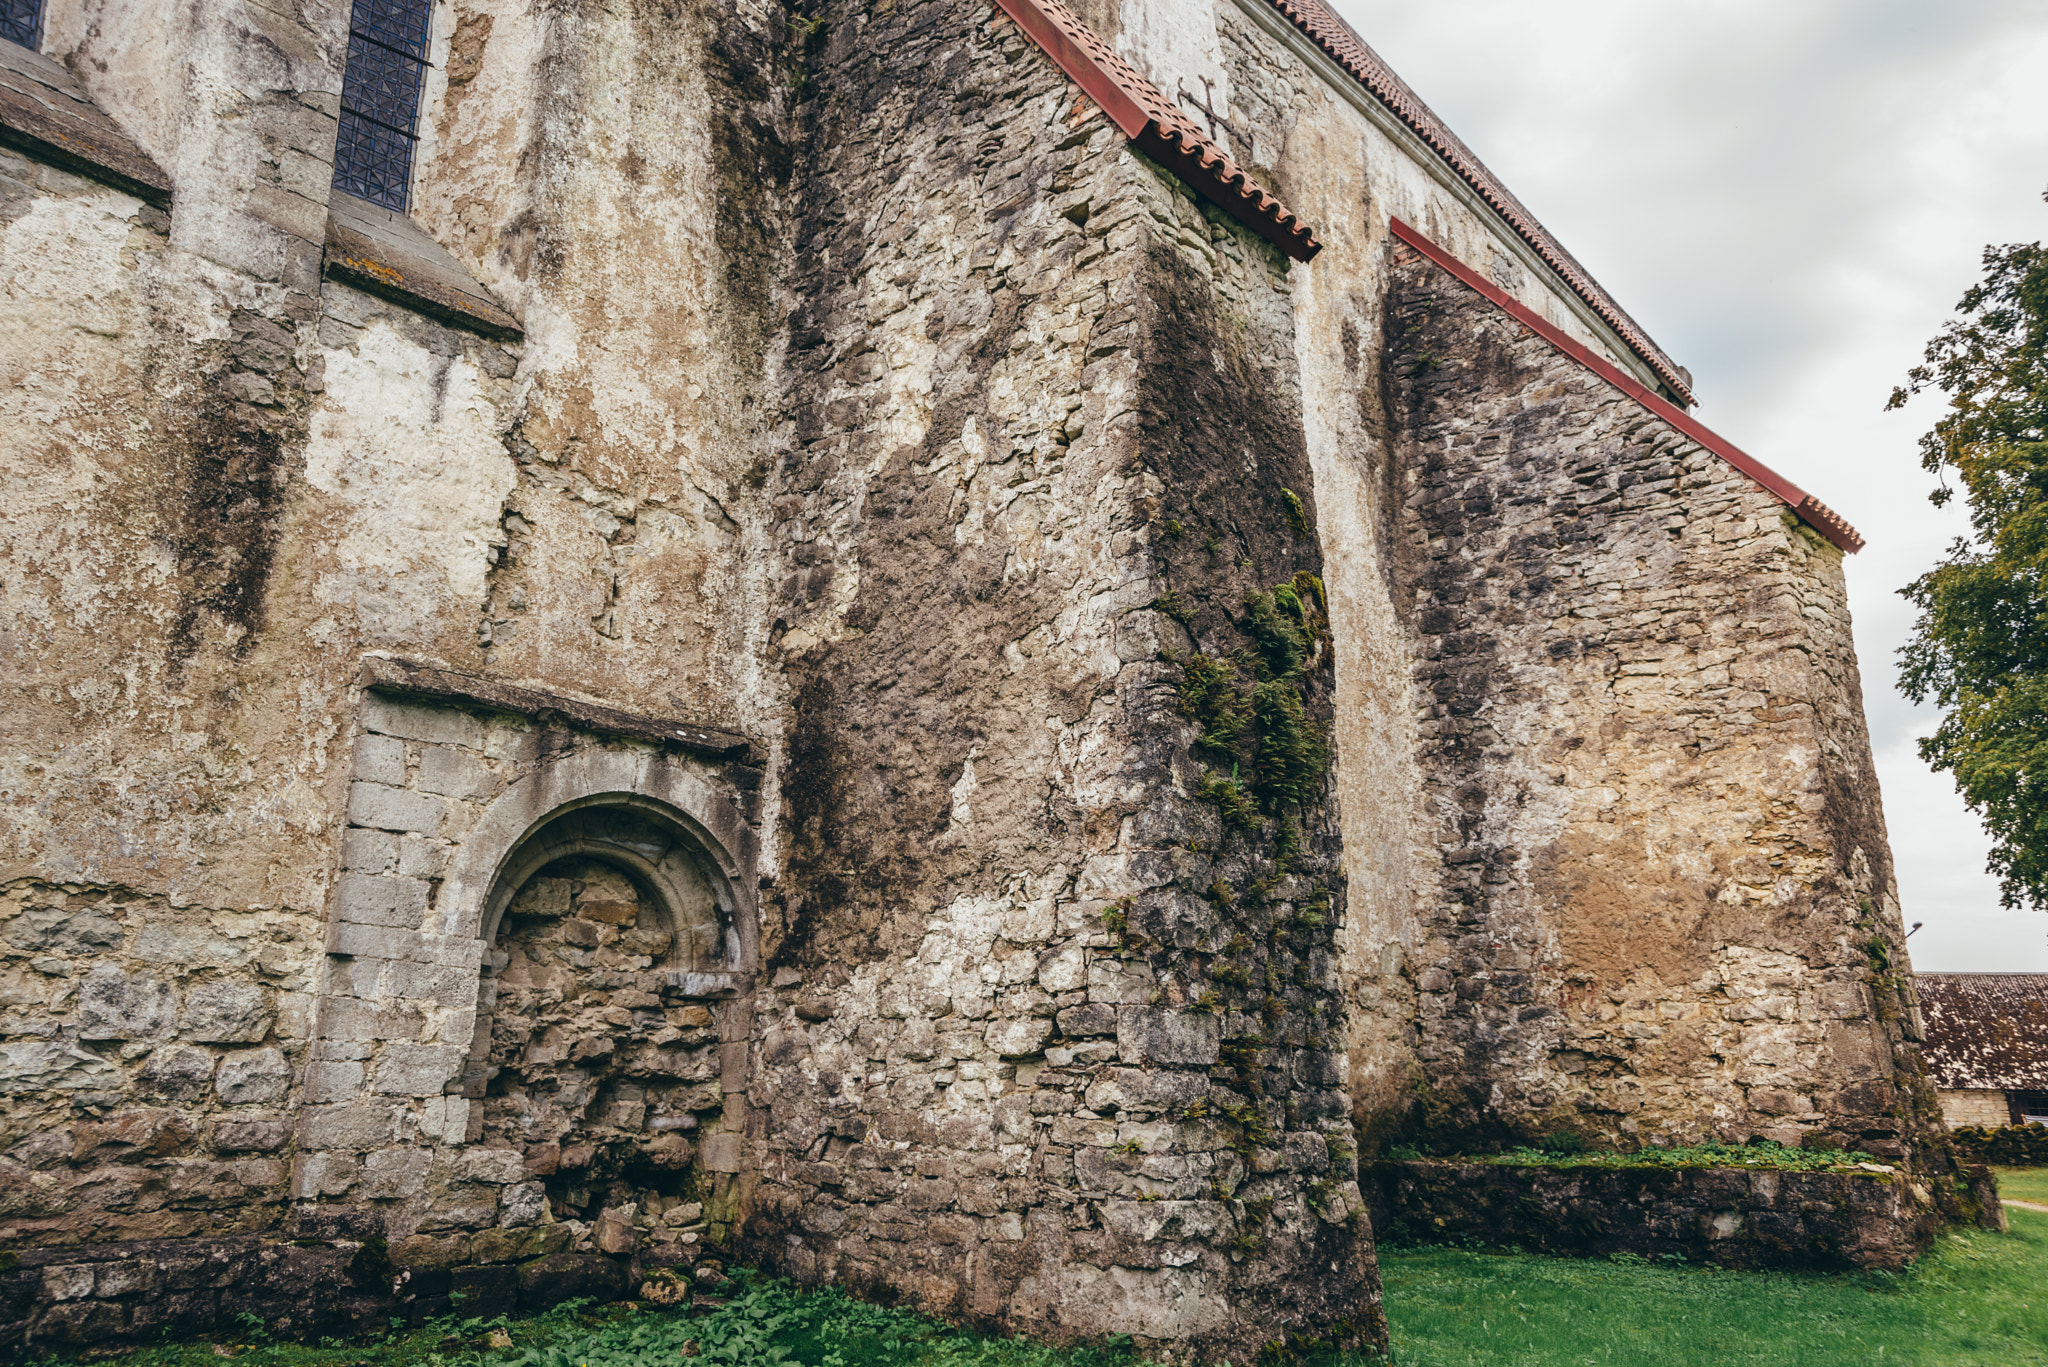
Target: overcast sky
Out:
[1790,196]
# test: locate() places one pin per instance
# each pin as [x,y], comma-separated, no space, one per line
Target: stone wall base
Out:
[101,1296]
[1733,1217]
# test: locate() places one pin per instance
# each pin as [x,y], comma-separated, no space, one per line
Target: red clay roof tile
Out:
[1987,1030]
[1155,127]
[1158,128]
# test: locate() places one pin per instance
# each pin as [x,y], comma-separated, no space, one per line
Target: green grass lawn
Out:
[2023,1184]
[1978,1298]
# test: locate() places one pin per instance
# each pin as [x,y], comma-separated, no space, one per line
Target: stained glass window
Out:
[380,99]
[21,21]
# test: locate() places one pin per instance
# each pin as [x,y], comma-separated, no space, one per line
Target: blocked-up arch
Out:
[606,901]
[594,802]
[663,852]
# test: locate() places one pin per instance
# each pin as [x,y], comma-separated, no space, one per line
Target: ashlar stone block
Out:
[396,809]
[417,1069]
[367,851]
[381,900]
[445,1119]
[721,1152]
[455,773]
[345,1018]
[330,1081]
[380,759]
[417,721]
[347,1127]
[421,857]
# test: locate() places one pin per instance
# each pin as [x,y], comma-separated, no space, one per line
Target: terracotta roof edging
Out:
[1322,41]
[1810,510]
[1155,127]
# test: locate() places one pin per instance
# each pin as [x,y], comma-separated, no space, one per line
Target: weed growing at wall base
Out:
[765,1323]
[1977,1300]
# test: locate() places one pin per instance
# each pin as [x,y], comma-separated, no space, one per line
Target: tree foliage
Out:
[1980,646]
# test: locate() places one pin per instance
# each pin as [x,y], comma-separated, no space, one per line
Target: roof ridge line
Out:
[1320,25]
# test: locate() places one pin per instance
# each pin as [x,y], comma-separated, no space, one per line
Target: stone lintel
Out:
[385,674]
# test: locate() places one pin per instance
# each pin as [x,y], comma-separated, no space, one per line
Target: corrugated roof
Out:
[1986,1030]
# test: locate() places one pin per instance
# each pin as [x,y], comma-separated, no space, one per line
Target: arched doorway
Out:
[593,1065]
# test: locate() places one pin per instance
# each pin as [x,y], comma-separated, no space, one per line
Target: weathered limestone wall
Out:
[1665,908]
[228,1006]
[1974,1106]
[1821,1060]
[1185,715]
[1046,1046]
[614,173]
[1349,172]
[159,951]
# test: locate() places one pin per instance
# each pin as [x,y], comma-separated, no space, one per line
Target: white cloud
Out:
[1790,197]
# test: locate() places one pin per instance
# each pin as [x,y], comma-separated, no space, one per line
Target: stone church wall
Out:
[935,715]
[228,1013]
[1051,1048]
[1666,908]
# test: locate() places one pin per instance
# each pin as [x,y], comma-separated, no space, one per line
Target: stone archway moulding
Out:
[656,784]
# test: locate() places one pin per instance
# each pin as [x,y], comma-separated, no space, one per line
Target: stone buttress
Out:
[1049,1043]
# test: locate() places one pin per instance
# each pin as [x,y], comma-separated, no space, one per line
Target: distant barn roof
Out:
[1986,1030]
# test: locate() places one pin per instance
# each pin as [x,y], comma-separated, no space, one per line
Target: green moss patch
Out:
[1765,1155]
